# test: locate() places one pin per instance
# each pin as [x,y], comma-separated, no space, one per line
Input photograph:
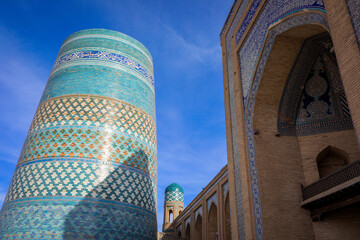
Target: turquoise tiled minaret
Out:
[174,193]
[173,205]
[88,166]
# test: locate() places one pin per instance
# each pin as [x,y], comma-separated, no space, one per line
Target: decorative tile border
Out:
[250,50]
[228,18]
[125,41]
[282,27]
[106,34]
[235,143]
[103,55]
[254,6]
[354,10]
[104,42]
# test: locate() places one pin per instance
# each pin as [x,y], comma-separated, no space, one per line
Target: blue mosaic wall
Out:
[354,9]
[88,165]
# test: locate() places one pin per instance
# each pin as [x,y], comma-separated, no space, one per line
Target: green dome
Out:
[174,192]
[174,187]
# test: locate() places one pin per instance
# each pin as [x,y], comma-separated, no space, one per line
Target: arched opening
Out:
[278,156]
[179,234]
[198,228]
[330,160]
[299,108]
[212,231]
[187,232]
[227,224]
[171,216]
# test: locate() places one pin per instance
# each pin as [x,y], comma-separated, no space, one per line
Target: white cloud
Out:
[11,153]
[189,52]
[22,80]
[2,197]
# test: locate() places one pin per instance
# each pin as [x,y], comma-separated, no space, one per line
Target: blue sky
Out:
[183,38]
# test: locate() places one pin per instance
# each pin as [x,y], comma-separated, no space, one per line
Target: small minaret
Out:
[173,205]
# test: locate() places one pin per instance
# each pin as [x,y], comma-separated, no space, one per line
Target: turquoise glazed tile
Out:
[174,193]
[87,169]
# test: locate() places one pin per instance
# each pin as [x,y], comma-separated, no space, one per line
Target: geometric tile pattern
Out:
[228,19]
[234,139]
[306,18]
[78,219]
[92,54]
[81,179]
[88,144]
[174,192]
[250,49]
[354,9]
[174,196]
[95,112]
[249,15]
[88,165]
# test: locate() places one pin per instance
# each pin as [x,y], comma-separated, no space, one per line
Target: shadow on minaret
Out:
[113,209]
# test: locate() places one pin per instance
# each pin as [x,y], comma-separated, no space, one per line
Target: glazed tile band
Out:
[103,55]
[88,165]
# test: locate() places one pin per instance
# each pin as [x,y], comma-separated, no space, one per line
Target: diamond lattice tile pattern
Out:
[78,179]
[88,144]
[95,112]
[174,196]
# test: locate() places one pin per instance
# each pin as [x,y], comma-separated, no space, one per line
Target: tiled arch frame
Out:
[353,7]
[287,23]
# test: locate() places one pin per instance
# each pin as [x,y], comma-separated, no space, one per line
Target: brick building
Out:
[291,87]
[291,84]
